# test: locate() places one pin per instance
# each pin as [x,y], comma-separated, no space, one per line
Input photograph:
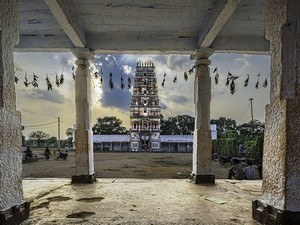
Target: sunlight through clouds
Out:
[175,98]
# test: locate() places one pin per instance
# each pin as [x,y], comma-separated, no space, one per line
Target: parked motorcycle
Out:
[223,159]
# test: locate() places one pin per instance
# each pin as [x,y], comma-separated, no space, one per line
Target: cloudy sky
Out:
[40,108]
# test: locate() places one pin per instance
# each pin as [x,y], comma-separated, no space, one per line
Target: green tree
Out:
[180,124]
[251,129]
[69,135]
[52,142]
[223,125]
[69,132]
[38,136]
[109,125]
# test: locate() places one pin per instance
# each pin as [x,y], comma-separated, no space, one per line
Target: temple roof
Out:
[149,26]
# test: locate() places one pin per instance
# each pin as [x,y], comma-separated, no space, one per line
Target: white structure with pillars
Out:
[162,26]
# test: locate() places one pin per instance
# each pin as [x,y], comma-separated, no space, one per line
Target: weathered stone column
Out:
[202,144]
[84,155]
[280,203]
[13,209]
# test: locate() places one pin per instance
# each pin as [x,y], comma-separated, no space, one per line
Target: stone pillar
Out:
[84,155]
[13,209]
[280,203]
[202,144]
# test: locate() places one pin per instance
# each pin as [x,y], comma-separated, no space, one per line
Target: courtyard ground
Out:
[55,201]
[122,165]
[154,196]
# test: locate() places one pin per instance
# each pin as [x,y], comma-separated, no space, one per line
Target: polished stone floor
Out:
[140,201]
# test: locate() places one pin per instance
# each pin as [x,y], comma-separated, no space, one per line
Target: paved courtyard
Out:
[140,201]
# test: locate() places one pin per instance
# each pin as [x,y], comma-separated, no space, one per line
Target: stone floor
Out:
[138,201]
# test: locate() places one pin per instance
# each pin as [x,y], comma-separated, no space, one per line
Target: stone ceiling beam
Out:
[67,21]
[220,15]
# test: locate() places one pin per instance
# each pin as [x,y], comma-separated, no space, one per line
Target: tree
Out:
[251,129]
[38,136]
[180,124]
[69,132]
[52,142]
[69,135]
[223,125]
[109,125]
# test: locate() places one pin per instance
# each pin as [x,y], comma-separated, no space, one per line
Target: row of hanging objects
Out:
[230,81]
[111,83]
[163,82]
[59,80]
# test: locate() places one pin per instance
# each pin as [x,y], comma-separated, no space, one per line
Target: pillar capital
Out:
[82,62]
[202,53]
[83,53]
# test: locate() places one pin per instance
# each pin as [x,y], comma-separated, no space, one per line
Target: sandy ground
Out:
[122,165]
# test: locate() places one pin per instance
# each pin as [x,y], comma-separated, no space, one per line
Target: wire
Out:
[242,114]
[40,125]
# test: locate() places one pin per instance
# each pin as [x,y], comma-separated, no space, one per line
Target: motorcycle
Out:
[62,155]
[223,159]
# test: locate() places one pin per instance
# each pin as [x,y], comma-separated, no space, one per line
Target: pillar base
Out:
[203,178]
[85,179]
[270,215]
[15,215]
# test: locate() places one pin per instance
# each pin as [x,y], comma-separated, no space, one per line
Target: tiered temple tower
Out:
[145,110]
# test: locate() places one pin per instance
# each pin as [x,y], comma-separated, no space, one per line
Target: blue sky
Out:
[40,106]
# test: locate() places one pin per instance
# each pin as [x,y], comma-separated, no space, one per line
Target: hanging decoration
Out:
[265,84]
[216,76]
[122,83]
[57,80]
[185,76]
[257,83]
[111,83]
[175,79]
[73,73]
[61,79]
[26,83]
[246,82]
[163,82]
[101,76]
[190,71]
[232,87]
[129,83]
[34,82]
[96,74]
[49,85]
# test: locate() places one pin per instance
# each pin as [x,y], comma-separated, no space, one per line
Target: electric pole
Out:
[58,131]
[251,99]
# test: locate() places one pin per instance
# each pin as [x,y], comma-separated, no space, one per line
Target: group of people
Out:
[239,173]
[61,154]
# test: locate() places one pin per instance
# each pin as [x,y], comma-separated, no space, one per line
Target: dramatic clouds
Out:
[52,96]
[42,106]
